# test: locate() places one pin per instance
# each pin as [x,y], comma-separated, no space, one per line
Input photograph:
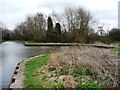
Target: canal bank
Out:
[54,74]
[18,75]
[12,54]
[20,50]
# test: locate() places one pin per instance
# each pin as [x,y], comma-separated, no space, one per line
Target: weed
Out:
[91,84]
[79,85]
[88,71]
[58,85]
[64,71]
[77,71]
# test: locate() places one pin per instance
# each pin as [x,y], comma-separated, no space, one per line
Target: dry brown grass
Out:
[101,61]
[54,62]
[69,81]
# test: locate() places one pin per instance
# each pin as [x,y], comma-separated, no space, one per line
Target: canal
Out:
[11,54]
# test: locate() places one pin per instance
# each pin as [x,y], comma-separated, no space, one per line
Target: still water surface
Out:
[12,53]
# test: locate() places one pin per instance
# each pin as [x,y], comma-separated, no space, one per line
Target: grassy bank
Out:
[31,76]
[117,50]
[38,74]
[79,67]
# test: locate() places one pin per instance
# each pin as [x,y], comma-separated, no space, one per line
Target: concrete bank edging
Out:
[18,75]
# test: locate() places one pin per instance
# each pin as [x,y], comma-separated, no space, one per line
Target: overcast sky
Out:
[12,12]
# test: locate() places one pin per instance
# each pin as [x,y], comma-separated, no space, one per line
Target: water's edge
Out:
[19,67]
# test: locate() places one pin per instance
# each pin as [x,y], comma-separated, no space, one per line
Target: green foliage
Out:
[104,39]
[114,34]
[89,85]
[117,50]
[31,66]
[79,85]
[58,85]
[57,36]
[88,71]
[77,71]
[50,32]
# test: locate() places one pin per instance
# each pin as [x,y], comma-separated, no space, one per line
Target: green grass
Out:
[89,85]
[117,50]
[38,75]
[58,85]
[88,71]
[31,66]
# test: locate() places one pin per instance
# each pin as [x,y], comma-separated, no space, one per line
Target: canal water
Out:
[13,52]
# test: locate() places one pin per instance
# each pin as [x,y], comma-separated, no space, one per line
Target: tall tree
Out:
[33,28]
[78,21]
[50,32]
[40,25]
[5,34]
[83,18]
[57,32]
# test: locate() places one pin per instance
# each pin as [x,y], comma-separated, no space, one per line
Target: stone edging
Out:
[18,75]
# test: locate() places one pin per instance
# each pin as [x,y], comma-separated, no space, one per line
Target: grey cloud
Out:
[10,7]
[13,11]
[57,5]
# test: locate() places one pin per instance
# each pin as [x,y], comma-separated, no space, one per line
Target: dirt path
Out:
[19,74]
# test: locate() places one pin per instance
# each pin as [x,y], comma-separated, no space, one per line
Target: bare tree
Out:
[33,28]
[78,21]
[70,15]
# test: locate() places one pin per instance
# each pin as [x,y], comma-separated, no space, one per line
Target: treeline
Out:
[4,33]
[75,25]
[72,26]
